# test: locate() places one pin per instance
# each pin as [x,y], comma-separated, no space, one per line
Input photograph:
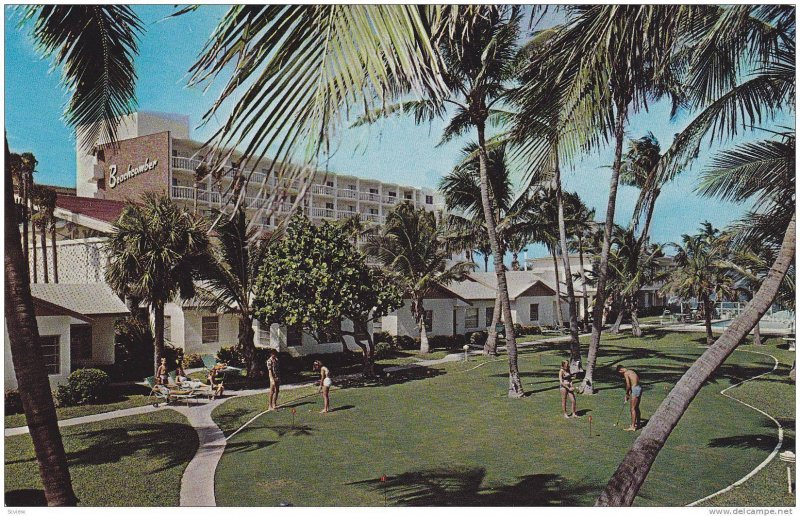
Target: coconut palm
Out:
[462,192]
[95,46]
[410,246]
[44,199]
[155,253]
[229,278]
[702,271]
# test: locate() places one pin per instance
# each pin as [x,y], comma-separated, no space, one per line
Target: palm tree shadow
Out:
[763,442]
[25,498]
[463,487]
[291,430]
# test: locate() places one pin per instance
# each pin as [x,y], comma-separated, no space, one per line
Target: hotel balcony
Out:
[368,196]
[373,217]
[326,190]
[388,199]
[322,213]
[346,193]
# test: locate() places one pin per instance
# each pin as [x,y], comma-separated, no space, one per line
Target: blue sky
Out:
[395,150]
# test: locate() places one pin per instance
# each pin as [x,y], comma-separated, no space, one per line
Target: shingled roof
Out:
[83,298]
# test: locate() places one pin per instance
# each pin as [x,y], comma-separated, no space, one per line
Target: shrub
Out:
[230,356]
[192,360]
[382,336]
[133,349]
[83,386]
[406,342]
[478,338]
[520,330]
[449,342]
[383,350]
[13,402]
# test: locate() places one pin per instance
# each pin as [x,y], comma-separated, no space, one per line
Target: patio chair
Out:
[209,361]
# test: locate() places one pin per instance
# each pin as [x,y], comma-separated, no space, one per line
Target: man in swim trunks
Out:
[274,379]
[633,392]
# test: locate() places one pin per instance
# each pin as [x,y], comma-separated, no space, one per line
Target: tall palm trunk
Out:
[32,243]
[490,347]
[247,345]
[757,334]
[707,308]
[158,316]
[515,389]
[32,381]
[574,344]
[25,218]
[559,316]
[583,286]
[620,315]
[587,387]
[485,263]
[632,472]
[418,310]
[514,261]
[636,329]
[43,238]
[55,252]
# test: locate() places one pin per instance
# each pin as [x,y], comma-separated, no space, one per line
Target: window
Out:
[174,153]
[210,330]
[489,315]
[351,187]
[428,320]
[373,211]
[392,194]
[534,312]
[373,190]
[328,205]
[329,183]
[428,199]
[351,209]
[80,341]
[472,318]
[51,353]
[408,196]
[294,336]
[168,328]
[264,335]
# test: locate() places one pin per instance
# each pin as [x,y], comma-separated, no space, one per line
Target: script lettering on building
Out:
[114,179]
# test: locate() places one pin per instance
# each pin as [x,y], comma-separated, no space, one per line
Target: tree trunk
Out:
[26,215]
[485,263]
[559,315]
[574,343]
[158,312]
[32,381]
[587,387]
[369,352]
[43,238]
[707,308]
[194,195]
[424,345]
[583,287]
[32,243]
[514,261]
[618,322]
[490,347]
[515,389]
[636,330]
[757,334]
[632,472]
[247,345]
[55,252]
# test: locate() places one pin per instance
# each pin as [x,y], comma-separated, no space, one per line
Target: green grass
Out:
[406,357]
[447,435]
[130,461]
[119,398]
[774,394]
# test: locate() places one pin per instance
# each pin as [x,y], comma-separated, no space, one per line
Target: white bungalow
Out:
[468,305]
[76,328]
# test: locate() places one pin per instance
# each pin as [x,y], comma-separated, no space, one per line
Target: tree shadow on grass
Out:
[25,498]
[172,444]
[463,487]
[248,446]
[232,418]
[387,378]
[290,430]
[763,442]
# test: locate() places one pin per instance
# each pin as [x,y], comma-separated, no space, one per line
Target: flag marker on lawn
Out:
[590,427]
[294,411]
[383,483]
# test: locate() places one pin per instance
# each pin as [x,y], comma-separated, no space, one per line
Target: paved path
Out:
[91,419]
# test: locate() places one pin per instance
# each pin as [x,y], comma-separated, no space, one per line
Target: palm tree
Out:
[462,193]
[230,276]
[582,230]
[411,247]
[632,471]
[44,198]
[478,53]
[702,271]
[95,46]
[155,253]
[755,43]
[22,167]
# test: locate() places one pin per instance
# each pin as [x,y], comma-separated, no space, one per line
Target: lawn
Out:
[120,397]
[447,435]
[129,461]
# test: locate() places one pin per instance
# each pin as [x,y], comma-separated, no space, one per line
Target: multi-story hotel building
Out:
[155,153]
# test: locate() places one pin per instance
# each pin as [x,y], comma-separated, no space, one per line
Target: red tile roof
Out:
[100,209]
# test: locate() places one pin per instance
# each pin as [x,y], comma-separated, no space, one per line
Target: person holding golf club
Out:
[566,388]
[325,383]
[633,392]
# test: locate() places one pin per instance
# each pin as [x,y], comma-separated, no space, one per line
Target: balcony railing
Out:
[369,196]
[347,193]
[389,199]
[322,213]
[323,190]
[373,217]
[207,196]
[182,192]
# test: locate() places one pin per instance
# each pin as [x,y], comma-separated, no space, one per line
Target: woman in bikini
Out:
[566,388]
[325,383]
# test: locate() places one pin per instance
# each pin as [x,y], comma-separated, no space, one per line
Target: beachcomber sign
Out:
[114,180]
